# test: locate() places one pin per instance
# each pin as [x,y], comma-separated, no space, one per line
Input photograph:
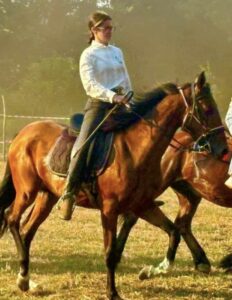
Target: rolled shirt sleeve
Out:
[228,118]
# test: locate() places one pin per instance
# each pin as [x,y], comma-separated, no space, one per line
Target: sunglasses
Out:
[107,28]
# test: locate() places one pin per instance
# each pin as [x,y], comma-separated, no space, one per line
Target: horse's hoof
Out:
[159,202]
[226,262]
[117,298]
[228,271]
[23,283]
[146,273]
[203,268]
[34,287]
[114,296]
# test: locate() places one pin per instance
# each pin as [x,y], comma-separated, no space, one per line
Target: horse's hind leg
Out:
[20,204]
[187,210]
[157,218]
[43,205]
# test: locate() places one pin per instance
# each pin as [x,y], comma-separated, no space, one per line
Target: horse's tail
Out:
[7,196]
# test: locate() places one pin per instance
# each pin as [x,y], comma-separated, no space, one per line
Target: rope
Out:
[34,117]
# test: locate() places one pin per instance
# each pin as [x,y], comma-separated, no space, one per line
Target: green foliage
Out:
[162,41]
[53,82]
[49,86]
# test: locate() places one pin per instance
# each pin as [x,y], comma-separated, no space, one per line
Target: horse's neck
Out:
[145,140]
[174,159]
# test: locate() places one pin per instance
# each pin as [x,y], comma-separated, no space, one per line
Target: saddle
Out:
[98,154]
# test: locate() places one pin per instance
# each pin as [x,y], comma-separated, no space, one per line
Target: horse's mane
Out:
[164,89]
[141,104]
[205,91]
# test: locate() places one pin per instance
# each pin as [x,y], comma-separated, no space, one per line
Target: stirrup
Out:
[66,195]
[67,205]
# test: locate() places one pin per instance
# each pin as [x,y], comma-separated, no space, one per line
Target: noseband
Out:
[203,144]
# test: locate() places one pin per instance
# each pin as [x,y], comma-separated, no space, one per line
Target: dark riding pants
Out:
[95,111]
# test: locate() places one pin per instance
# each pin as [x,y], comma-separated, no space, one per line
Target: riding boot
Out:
[73,184]
[68,201]
[67,206]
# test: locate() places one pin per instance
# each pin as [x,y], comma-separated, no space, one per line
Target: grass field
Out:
[68,263]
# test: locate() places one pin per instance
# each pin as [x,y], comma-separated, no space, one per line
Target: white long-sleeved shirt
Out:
[228,118]
[102,68]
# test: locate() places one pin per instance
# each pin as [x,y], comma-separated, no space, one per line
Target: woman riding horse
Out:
[102,68]
[130,182]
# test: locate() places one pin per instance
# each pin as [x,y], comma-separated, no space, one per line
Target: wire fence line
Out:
[4,142]
[34,117]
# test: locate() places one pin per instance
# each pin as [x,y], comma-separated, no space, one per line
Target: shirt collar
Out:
[98,45]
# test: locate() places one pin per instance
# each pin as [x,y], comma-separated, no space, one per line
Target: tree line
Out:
[162,40]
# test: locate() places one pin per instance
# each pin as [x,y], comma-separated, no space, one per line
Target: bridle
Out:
[193,115]
[202,144]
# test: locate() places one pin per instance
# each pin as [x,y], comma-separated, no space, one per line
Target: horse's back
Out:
[40,132]
[32,144]
[38,128]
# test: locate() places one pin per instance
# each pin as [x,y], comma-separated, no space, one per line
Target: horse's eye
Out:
[205,108]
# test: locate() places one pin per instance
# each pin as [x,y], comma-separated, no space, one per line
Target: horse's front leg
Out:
[109,225]
[188,205]
[157,218]
[128,222]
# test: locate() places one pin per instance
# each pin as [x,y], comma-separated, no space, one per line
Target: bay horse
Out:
[127,184]
[189,174]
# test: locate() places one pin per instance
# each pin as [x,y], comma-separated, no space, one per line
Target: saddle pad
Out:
[98,155]
[59,155]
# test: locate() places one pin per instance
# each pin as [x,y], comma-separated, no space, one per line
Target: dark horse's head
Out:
[205,112]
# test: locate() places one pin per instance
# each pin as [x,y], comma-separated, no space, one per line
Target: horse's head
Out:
[202,118]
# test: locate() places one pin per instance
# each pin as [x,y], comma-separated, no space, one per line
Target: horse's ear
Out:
[200,81]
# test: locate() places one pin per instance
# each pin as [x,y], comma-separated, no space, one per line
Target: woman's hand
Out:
[120,99]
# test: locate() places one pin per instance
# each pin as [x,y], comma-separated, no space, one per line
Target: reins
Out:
[193,116]
[152,123]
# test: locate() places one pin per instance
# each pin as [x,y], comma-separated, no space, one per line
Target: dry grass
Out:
[67,259]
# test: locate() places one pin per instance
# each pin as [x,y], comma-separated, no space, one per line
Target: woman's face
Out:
[103,32]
